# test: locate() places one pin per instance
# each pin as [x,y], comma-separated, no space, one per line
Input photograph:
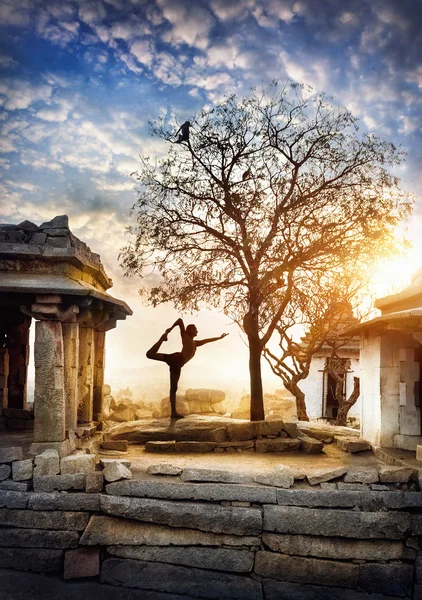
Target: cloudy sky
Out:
[81,79]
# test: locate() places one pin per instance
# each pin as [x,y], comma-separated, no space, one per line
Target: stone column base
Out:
[63,448]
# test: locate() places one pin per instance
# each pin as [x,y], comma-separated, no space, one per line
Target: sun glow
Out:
[394,275]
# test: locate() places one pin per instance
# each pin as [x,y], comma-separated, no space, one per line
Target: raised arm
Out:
[208,340]
[180,323]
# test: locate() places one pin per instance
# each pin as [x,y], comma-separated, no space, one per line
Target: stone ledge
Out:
[38,538]
[30,519]
[206,517]
[216,492]
[64,501]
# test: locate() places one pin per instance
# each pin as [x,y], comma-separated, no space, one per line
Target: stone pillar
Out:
[18,346]
[4,374]
[49,401]
[86,374]
[99,365]
[71,365]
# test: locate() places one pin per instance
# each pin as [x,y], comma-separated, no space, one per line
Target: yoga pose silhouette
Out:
[176,360]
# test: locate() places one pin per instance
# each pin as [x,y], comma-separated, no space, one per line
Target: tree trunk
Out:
[346,405]
[294,389]
[257,397]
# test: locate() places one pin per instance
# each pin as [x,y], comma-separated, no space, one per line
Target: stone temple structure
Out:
[390,370]
[48,274]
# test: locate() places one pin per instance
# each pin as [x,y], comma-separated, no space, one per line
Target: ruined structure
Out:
[390,367]
[49,275]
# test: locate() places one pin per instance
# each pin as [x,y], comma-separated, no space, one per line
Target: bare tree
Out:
[265,188]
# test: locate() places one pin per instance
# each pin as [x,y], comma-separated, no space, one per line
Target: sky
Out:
[80,80]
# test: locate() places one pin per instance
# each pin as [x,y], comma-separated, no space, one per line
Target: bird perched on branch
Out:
[183,133]
[246,175]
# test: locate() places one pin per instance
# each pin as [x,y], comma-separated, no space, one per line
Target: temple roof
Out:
[409,298]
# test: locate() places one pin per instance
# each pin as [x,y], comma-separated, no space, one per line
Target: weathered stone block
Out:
[355,487]
[61,222]
[22,469]
[8,455]
[353,445]
[12,499]
[37,538]
[281,476]
[356,475]
[50,483]
[168,446]
[248,445]
[194,446]
[216,492]
[94,482]
[115,471]
[78,463]
[108,531]
[83,562]
[5,471]
[164,469]
[47,463]
[326,474]
[336,548]
[395,474]
[120,445]
[104,462]
[390,579]
[240,432]
[217,559]
[277,445]
[332,523]
[14,486]
[64,501]
[213,475]
[305,570]
[63,448]
[195,583]
[310,445]
[218,519]
[40,560]
[29,519]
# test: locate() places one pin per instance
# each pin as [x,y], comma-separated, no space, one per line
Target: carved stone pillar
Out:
[99,355]
[71,365]
[49,401]
[86,374]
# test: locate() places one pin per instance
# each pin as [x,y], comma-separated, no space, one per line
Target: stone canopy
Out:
[48,274]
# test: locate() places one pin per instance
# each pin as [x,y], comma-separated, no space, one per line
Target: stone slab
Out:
[281,476]
[356,475]
[390,579]
[216,492]
[326,474]
[160,447]
[194,446]
[368,500]
[41,560]
[109,531]
[104,462]
[164,469]
[115,471]
[212,475]
[240,432]
[206,517]
[77,463]
[310,445]
[337,548]
[63,448]
[353,445]
[22,470]
[218,559]
[64,501]
[120,445]
[30,519]
[83,562]
[37,538]
[277,445]
[395,474]
[333,523]
[305,570]
[195,583]
[51,483]
[8,455]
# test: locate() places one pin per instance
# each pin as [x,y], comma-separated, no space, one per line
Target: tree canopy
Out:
[268,189]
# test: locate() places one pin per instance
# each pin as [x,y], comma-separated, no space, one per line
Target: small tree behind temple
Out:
[267,188]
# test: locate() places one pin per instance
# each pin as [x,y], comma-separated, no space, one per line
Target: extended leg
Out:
[153,353]
[174,380]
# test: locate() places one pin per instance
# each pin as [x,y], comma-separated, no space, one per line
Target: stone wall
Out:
[219,540]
